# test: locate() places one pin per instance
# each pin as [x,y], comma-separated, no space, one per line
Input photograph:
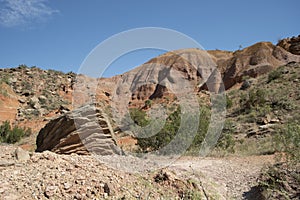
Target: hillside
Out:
[42,93]
[260,84]
[252,61]
[260,106]
[39,92]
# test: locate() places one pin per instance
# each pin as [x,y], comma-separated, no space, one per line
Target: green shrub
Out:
[257,98]
[191,194]
[276,74]
[27,85]
[12,135]
[171,128]
[4,129]
[139,117]
[164,136]
[254,99]
[287,140]
[148,103]
[229,102]
[204,120]
[5,79]
[226,141]
[281,180]
[263,110]
[284,103]
[22,66]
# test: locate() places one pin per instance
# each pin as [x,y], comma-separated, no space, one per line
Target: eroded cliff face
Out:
[165,74]
[253,61]
[155,78]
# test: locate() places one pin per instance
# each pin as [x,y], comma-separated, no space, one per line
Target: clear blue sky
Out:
[59,34]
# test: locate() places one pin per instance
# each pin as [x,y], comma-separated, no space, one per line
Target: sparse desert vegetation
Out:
[255,157]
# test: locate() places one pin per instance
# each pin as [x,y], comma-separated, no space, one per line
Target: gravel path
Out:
[233,176]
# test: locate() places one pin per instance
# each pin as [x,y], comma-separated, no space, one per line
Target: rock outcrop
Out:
[82,131]
[291,44]
[252,61]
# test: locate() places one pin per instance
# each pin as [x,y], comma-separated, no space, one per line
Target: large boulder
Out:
[82,131]
[291,44]
[295,45]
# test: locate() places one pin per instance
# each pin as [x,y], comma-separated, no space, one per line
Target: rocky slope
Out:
[40,94]
[261,106]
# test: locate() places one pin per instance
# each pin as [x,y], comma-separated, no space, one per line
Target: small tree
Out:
[171,128]
[164,136]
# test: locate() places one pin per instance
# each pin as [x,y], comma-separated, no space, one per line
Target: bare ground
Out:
[232,177]
[50,176]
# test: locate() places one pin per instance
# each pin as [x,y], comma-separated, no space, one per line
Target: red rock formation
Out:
[291,44]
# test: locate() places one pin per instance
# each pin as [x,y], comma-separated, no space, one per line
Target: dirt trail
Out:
[232,177]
